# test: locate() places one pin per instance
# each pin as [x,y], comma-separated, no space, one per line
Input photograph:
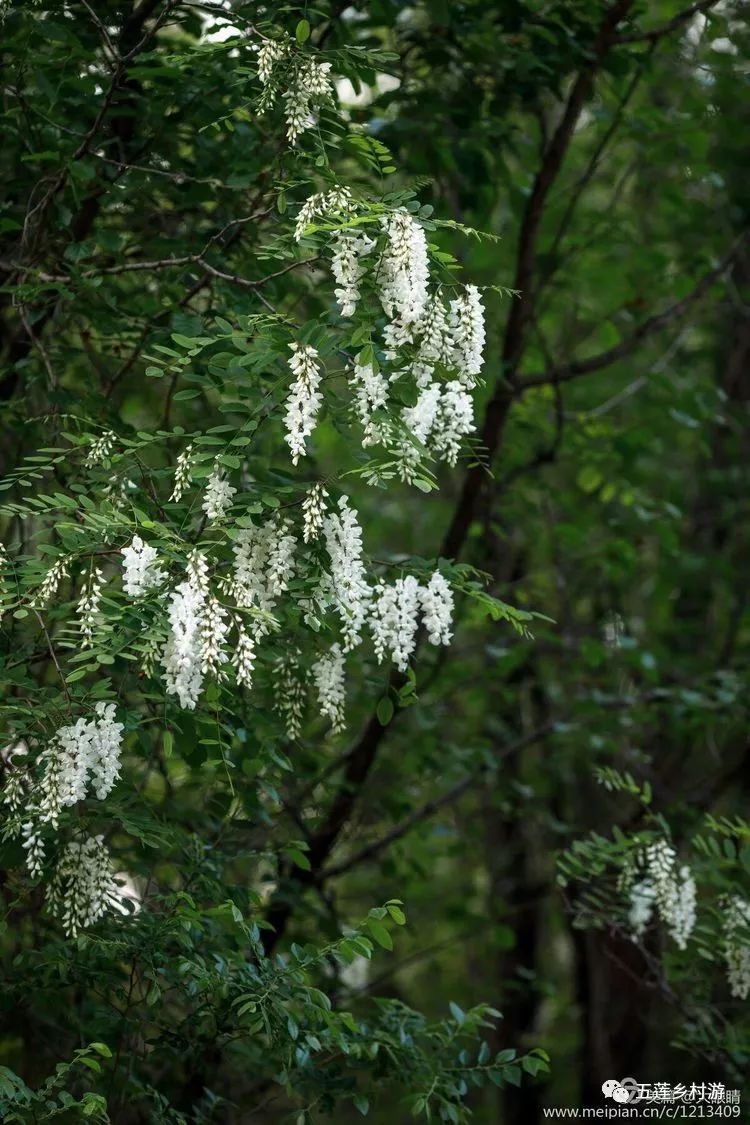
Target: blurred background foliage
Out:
[608,491]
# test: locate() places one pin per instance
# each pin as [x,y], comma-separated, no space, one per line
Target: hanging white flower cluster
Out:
[182,473]
[347,583]
[334,202]
[183,653]
[100,449]
[349,248]
[665,887]
[214,630]
[88,606]
[467,327]
[437,607]
[311,86]
[329,678]
[82,754]
[50,583]
[403,274]
[394,616]
[263,565]
[304,398]
[370,395]
[290,691]
[140,570]
[422,335]
[394,621]
[83,887]
[4,564]
[219,493]
[737,946]
[270,53]
[313,511]
[243,657]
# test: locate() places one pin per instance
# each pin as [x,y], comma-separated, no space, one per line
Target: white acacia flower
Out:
[347,582]
[85,753]
[313,511]
[348,270]
[88,606]
[403,275]
[140,570]
[311,86]
[83,887]
[337,200]
[737,946]
[304,398]
[329,679]
[243,657]
[370,395]
[467,324]
[394,618]
[264,564]
[183,654]
[219,494]
[182,473]
[436,599]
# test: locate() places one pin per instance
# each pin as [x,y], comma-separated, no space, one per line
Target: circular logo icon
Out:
[609,1087]
[626,1092]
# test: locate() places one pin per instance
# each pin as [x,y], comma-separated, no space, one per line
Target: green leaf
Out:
[302,32]
[380,933]
[384,711]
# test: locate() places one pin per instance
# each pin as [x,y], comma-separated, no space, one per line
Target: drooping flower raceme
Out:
[371,394]
[183,653]
[263,563]
[467,324]
[329,680]
[404,274]
[394,620]
[737,946]
[313,511]
[140,570]
[348,269]
[304,398]
[290,691]
[219,494]
[88,606]
[268,55]
[50,583]
[641,907]
[436,599]
[454,422]
[182,473]
[214,629]
[347,582]
[666,888]
[83,887]
[311,86]
[100,449]
[436,343]
[243,657]
[337,200]
[84,753]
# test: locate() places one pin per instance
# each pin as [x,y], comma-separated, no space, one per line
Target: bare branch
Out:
[653,324]
[370,851]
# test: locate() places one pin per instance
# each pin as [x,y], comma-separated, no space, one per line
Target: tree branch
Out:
[670,26]
[370,851]
[653,324]
[365,751]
